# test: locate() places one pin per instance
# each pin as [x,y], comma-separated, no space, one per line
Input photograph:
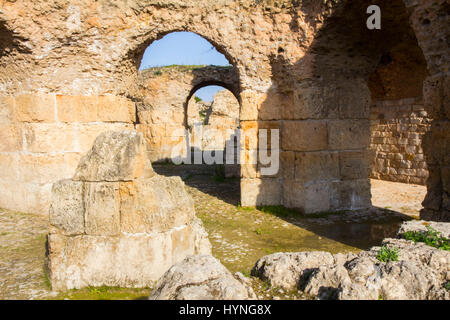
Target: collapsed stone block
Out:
[201,277]
[67,207]
[118,223]
[117,156]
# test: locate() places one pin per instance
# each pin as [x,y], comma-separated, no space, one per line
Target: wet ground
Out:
[239,235]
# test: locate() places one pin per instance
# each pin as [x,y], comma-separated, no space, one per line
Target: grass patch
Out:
[447,286]
[430,237]
[386,254]
[106,293]
[240,208]
[283,212]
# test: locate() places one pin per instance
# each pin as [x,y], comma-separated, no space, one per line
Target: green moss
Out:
[105,293]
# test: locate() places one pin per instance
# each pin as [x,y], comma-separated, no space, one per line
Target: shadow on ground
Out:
[360,229]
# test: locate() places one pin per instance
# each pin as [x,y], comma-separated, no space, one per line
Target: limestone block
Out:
[77,108]
[348,134]
[350,194]
[67,207]
[7,110]
[354,164]
[308,103]
[259,192]
[353,99]
[50,137]
[46,168]
[125,261]
[249,105]
[115,156]
[116,109]
[11,138]
[311,166]
[87,133]
[271,104]
[35,108]
[95,108]
[102,205]
[9,168]
[157,204]
[287,164]
[311,197]
[304,135]
[25,197]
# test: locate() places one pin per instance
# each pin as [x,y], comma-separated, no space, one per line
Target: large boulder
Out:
[117,223]
[201,277]
[421,226]
[115,156]
[285,270]
[421,271]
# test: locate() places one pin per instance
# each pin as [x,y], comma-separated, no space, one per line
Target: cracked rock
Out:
[201,277]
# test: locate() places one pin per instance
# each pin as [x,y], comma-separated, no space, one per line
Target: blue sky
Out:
[185,48]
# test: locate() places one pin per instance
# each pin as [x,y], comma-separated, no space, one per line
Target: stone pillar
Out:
[325,139]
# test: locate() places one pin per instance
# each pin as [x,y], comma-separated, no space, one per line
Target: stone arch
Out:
[330,102]
[233,88]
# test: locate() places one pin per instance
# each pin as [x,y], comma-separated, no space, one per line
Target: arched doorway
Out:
[175,72]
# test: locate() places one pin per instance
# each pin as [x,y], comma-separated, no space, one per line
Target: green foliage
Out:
[386,254]
[202,115]
[105,293]
[197,99]
[447,286]
[157,73]
[430,237]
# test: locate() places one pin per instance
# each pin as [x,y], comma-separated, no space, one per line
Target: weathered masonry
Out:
[311,69]
[168,107]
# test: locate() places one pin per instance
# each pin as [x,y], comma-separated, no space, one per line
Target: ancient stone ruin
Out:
[116,222]
[83,129]
[169,112]
[311,69]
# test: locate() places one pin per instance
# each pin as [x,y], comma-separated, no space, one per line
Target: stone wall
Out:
[43,138]
[397,129]
[168,108]
[302,66]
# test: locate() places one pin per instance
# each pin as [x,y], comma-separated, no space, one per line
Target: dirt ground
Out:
[400,197]
[239,235]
